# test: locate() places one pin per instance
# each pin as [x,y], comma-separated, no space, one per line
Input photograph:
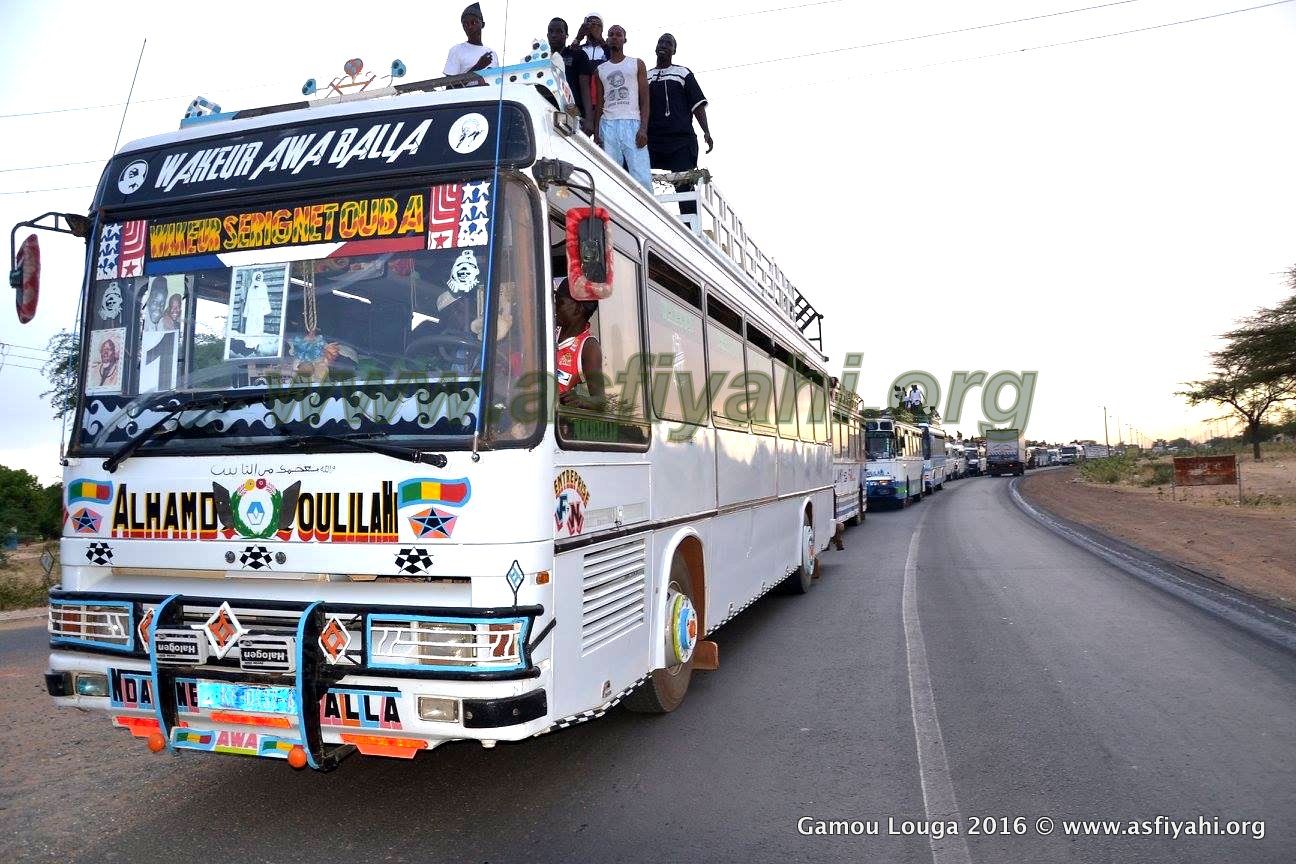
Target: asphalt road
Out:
[1061,688]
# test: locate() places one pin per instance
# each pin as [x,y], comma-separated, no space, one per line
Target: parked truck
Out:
[1070,454]
[1005,452]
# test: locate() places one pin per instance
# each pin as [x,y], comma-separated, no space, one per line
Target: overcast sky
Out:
[1094,212]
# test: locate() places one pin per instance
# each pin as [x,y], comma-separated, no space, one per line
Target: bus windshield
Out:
[380,330]
[880,445]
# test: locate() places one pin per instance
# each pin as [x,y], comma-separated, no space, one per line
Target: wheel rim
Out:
[681,630]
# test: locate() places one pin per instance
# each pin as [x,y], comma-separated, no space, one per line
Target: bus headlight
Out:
[446,644]
[91,684]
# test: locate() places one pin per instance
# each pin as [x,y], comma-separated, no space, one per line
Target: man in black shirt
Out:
[579,70]
[674,100]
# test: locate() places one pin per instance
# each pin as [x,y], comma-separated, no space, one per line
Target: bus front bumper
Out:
[324,698]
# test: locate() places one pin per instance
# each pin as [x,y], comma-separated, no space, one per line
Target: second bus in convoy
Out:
[895,462]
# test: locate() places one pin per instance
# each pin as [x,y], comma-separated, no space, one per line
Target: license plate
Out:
[246,697]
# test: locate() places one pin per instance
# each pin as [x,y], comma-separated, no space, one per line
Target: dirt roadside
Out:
[1251,549]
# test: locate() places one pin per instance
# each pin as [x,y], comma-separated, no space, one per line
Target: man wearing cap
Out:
[621,109]
[675,99]
[471,56]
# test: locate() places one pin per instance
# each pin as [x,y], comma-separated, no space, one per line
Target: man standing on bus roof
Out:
[913,399]
[470,56]
[621,110]
[589,38]
[579,72]
[675,100]
[577,350]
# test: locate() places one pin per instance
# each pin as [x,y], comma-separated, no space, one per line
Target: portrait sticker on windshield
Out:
[258,297]
[103,373]
[162,308]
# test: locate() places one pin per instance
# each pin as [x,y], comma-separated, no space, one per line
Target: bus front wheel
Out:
[664,690]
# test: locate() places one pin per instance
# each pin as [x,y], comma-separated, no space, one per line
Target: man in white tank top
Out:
[621,109]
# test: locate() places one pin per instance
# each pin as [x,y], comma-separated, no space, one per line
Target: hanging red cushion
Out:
[27,264]
[582,288]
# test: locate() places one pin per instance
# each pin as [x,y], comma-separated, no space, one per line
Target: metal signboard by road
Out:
[1205,470]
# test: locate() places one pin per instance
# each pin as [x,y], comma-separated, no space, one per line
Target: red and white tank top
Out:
[570,373]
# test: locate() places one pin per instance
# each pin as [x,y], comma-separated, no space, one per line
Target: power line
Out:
[778,9]
[4,345]
[7,355]
[54,165]
[107,105]
[120,104]
[52,189]
[1015,51]
[915,38]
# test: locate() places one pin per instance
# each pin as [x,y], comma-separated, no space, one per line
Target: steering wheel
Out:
[438,343]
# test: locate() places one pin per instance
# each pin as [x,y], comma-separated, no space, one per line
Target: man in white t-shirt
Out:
[471,56]
[621,109]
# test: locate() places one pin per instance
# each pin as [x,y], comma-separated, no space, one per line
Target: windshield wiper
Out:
[359,440]
[205,401]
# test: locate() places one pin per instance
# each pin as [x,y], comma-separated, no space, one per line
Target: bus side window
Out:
[620,422]
[785,393]
[760,381]
[725,366]
[675,338]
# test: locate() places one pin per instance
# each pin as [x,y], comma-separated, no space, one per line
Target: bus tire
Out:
[800,579]
[664,689]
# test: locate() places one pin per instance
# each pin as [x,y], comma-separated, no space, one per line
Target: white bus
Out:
[318,498]
[894,471]
[934,456]
[955,460]
[849,464]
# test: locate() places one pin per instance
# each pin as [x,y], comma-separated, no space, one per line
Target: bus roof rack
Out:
[715,221]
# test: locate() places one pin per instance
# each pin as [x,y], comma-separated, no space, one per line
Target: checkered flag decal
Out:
[413,560]
[256,557]
[99,553]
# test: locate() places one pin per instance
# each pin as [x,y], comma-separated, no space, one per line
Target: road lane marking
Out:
[933,766]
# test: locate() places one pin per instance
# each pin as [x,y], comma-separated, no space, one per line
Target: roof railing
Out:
[715,221]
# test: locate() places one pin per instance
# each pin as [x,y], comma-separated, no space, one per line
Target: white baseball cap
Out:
[594,15]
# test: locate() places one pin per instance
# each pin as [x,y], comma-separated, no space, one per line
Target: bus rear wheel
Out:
[664,690]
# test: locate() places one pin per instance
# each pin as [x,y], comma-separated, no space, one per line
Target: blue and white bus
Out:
[894,472]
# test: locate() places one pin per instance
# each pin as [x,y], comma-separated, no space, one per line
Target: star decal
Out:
[86,521]
[433,523]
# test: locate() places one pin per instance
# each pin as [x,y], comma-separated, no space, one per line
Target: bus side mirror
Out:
[589,253]
[24,278]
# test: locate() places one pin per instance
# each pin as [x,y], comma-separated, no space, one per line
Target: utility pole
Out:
[1106,440]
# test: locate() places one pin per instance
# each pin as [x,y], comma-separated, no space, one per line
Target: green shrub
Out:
[1112,469]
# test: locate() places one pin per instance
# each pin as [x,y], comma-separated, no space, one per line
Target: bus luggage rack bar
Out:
[719,226]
